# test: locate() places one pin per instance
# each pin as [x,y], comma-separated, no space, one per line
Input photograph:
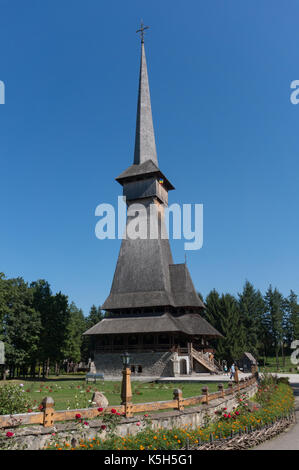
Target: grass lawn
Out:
[268,364]
[73,392]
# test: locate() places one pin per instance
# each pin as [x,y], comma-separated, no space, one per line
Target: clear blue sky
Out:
[226,131]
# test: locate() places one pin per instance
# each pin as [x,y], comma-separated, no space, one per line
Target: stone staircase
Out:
[212,366]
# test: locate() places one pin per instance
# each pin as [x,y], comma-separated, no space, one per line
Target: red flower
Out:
[225,409]
[229,416]
[40,407]
[237,413]
[103,426]
[86,423]
[113,411]
[138,424]
[29,410]
[9,434]
[78,416]
[100,409]
[118,414]
[225,415]
[145,416]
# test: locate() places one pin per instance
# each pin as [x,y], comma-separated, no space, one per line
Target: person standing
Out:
[232,371]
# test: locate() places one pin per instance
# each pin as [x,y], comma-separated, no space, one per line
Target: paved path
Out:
[182,378]
[288,440]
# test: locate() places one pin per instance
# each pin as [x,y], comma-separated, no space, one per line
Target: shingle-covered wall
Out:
[152,363]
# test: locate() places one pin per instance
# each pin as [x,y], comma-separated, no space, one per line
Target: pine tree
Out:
[292,318]
[212,308]
[21,326]
[252,308]
[74,339]
[55,317]
[273,320]
[224,314]
[231,328]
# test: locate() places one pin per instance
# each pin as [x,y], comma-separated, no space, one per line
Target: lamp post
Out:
[126,390]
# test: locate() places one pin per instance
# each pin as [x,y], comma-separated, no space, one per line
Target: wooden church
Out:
[153,310]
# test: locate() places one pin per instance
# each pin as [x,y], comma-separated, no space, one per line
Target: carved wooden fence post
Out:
[230,387]
[205,391]
[221,389]
[236,376]
[48,410]
[178,395]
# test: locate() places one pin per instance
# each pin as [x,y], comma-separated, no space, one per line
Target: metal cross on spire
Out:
[141,31]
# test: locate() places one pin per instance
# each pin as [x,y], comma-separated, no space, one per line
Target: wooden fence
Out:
[48,416]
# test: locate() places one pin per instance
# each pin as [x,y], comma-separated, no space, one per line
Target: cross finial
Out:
[141,31]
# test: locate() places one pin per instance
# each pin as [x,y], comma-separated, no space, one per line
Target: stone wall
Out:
[154,364]
[37,437]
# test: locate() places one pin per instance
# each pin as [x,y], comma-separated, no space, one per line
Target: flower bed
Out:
[273,401]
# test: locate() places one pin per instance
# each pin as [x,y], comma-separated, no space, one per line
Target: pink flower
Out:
[145,416]
[138,424]
[9,434]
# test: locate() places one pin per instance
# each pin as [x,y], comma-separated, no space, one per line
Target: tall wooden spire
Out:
[145,274]
[145,145]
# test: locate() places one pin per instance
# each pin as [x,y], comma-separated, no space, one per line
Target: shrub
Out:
[13,399]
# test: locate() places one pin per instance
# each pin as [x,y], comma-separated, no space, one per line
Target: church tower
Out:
[153,310]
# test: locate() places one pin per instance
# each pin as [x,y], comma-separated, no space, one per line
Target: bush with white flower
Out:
[13,399]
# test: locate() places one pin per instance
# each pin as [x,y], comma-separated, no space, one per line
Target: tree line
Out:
[264,325]
[42,331]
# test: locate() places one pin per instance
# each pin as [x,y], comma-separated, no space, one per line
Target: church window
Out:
[163,339]
[118,340]
[133,340]
[148,339]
